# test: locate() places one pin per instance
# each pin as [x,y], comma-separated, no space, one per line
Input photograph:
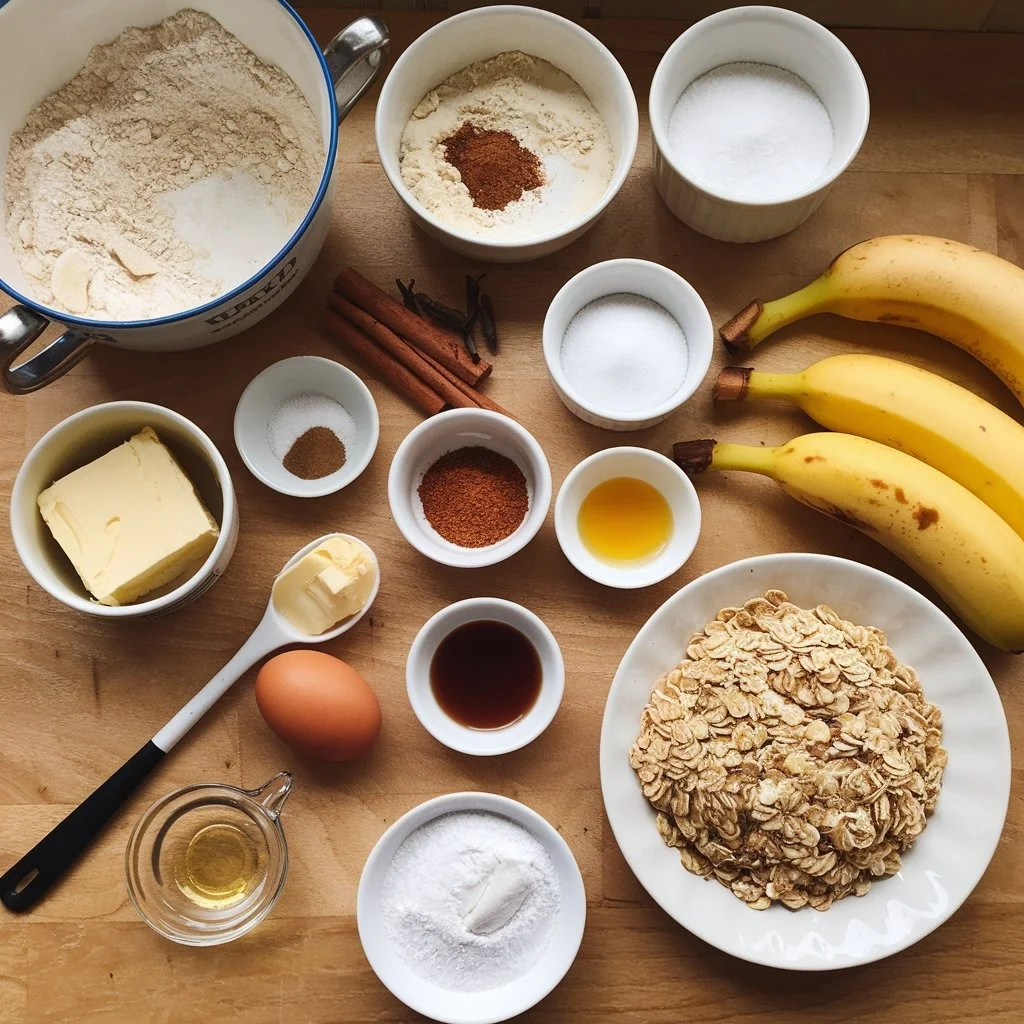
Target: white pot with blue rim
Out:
[332,81]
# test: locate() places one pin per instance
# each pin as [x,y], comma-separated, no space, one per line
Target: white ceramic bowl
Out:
[653,468]
[948,859]
[85,436]
[765,35]
[494,1005]
[476,35]
[638,277]
[484,741]
[285,380]
[460,428]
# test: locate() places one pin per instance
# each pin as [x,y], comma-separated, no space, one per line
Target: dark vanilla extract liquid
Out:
[485,675]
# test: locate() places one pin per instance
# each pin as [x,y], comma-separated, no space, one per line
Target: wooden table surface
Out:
[944,156]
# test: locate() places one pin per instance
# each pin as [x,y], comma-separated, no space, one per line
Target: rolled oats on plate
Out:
[790,755]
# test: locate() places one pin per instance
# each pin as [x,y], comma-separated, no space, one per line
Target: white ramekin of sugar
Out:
[626,343]
[734,45]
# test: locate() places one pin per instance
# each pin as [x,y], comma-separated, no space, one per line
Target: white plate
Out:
[491,1005]
[947,861]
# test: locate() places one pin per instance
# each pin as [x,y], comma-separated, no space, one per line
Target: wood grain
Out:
[943,156]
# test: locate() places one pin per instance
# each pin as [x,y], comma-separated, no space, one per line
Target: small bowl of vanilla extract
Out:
[485,676]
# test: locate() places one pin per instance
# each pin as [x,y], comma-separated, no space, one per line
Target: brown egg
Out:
[319,705]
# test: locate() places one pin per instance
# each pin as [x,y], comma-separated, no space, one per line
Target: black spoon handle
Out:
[31,878]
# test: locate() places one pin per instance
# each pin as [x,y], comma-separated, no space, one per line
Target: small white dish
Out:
[764,35]
[642,464]
[86,436]
[948,859]
[462,428]
[635,277]
[476,35]
[484,741]
[286,380]
[497,1004]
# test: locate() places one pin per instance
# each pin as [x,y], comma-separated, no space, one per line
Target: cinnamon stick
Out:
[444,346]
[482,400]
[392,372]
[409,357]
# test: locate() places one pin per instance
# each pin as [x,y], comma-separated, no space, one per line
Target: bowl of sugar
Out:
[755,112]
[626,343]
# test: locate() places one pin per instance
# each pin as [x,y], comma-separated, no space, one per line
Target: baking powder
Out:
[470,901]
[173,166]
[751,131]
[545,110]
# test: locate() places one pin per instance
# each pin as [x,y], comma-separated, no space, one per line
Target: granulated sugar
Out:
[751,132]
[624,353]
[470,901]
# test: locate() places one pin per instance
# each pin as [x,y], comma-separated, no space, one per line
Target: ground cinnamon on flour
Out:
[495,168]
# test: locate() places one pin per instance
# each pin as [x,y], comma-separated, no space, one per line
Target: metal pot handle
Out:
[19,328]
[355,58]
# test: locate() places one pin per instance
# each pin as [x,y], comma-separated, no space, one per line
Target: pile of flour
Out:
[174,165]
[545,110]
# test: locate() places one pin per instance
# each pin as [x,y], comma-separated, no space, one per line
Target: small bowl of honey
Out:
[485,676]
[627,517]
[205,864]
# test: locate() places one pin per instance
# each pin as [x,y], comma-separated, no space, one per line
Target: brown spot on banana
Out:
[810,458]
[880,484]
[925,517]
[900,496]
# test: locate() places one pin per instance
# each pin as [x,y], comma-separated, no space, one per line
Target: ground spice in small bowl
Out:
[474,497]
[316,453]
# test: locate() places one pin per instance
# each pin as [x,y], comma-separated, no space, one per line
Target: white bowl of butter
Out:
[124,509]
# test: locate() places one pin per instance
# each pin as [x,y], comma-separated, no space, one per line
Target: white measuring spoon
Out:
[24,884]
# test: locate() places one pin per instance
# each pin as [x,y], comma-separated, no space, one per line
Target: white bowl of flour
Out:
[544,80]
[165,175]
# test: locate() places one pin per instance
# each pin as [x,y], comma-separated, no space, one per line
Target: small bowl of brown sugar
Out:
[469,487]
[306,426]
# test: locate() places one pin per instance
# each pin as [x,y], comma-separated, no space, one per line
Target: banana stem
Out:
[737,383]
[752,325]
[745,457]
[700,456]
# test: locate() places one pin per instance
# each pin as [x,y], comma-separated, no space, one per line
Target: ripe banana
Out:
[908,408]
[942,531]
[967,296]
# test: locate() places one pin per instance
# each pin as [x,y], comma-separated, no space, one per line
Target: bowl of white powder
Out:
[471,908]
[626,342]
[755,112]
[166,172]
[506,131]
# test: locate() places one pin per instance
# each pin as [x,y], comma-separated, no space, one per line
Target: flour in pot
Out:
[172,167]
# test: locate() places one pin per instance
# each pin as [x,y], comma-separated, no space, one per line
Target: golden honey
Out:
[220,866]
[625,520]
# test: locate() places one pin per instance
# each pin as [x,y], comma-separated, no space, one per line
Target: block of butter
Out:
[330,583]
[130,521]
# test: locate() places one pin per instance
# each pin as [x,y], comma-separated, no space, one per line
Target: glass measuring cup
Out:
[230,839]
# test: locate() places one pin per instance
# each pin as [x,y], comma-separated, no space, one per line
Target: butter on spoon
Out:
[326,585]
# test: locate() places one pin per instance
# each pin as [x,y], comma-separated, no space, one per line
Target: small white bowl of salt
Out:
[626,343]
[306,426]
[471,908]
